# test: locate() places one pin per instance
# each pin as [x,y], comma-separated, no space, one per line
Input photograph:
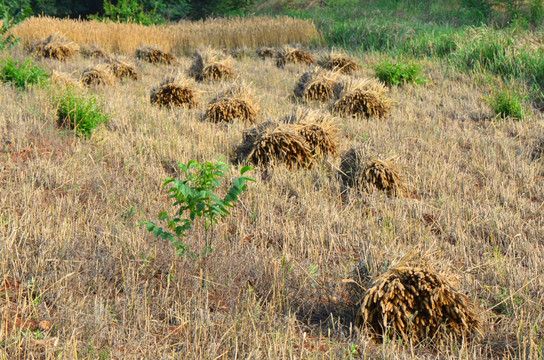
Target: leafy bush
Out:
[508,103]
[79,113]
[129,11]
[194,198]
[23,74]
[398,73]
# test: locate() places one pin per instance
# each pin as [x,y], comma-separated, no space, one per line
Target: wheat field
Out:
[80,280]
[180,38]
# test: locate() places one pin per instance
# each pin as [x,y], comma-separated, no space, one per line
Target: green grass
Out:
[79,113]
[22,75]
[399,73]
[508,103]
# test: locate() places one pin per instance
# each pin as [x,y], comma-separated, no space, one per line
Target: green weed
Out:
[399,73]
[22,75]
[508,103]
[79,113]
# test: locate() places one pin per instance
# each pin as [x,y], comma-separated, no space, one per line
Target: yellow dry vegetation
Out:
[180,38]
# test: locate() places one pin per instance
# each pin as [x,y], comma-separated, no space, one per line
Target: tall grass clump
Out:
[399,73]
[508,103]
[22,75]
[79,113]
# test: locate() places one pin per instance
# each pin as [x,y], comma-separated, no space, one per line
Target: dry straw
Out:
[210,65]
[174,92]
[64,80]
[318,130]
[317,85]
[295,56]
[365,175]
[415,303]
[56,46]
[270,144]
[95,52]
[362,98]
[265,52]
[155,55]
[338,62]
[97,76]
[121,69]
[237,102]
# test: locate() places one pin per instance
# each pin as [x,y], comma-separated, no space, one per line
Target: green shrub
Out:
[508,103]
[81,114]
[398,73]
[194,198]
[23,74]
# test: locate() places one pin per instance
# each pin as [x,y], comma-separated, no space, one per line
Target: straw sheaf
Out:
[415,304]
[362,98]
[121,69]
[318,130]
[317,85]
[97,76]
[236,102]
[155,55]
[95,52]
[174,92]
[338,62]
[294,56]
[56,46]
[383,175]
[281,145]
[64,80]
[210,65]
[265,52]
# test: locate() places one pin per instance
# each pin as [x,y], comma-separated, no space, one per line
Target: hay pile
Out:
[365,175]
[64,80]
[210,65]
[121,69]
[174,92]
[294,56]
[265,52]
[97,76]
[415,304]
[317,85]
[155,55]
[362,98]
[56,46]
[338,62]
[95,52]
[270,143]
[319,131]
[235,103]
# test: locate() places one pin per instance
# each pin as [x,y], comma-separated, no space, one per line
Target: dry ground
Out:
[71,254]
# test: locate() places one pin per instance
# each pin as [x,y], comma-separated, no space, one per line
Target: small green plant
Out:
[508,103]
[399,73]
[194,198]
[23,74]
[81,114]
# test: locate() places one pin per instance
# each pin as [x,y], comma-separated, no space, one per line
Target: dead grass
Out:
[272,288]
[363,98]
[55,46]
[180,38]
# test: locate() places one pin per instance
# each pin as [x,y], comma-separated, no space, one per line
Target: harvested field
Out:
[80,279]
